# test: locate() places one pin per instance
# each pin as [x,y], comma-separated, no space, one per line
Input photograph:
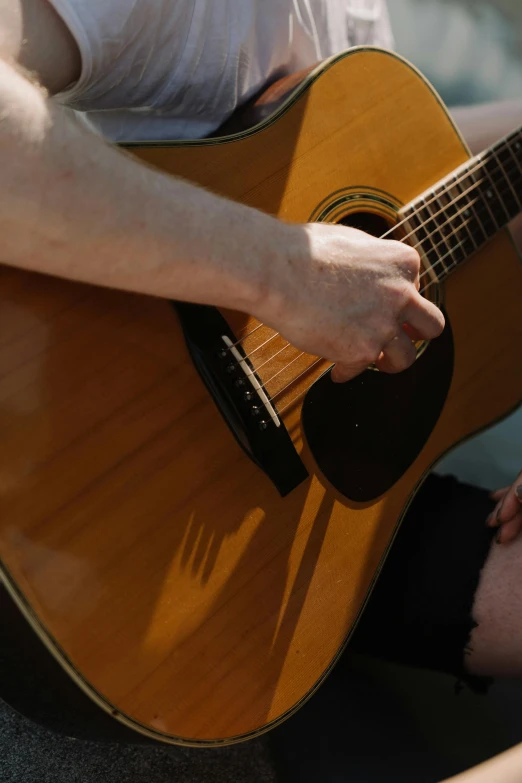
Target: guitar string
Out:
[480,159]
[305,371]
[443,241]
[303,353]
[429,236]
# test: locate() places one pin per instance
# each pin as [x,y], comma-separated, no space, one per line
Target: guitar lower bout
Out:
[165,570]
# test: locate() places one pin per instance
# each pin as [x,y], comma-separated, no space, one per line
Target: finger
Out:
[493,520]
[498,494]
[424,317]
[345,372]
[511,503]
[412,333]
[397,355]
[510,530]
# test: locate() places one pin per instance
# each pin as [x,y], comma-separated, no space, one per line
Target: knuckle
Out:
[410,259]
[388,330]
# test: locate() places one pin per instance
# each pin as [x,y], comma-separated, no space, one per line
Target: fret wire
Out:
[305,371]
[504,218]
[473,166]
[447,237]
[449,221]
[509,200]
[478,214]
[511,147]
[410,219]
[454,233]
[481,167]
[444,239]
[430,227]
[318,361]
[448,186]
[442,233]
[476,187]
[475,214]
[486,197]
[518,164]
[420,233]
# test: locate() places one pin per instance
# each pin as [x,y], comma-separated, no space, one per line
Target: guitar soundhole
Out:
[366,433]
[372,224]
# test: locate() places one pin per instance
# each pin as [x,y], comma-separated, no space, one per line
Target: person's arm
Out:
[73,206]
[506,768]
[507,514]
[483,124]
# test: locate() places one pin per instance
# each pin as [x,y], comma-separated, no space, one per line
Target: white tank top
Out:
[172,69]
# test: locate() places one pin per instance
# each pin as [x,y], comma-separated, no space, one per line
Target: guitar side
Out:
[158,563]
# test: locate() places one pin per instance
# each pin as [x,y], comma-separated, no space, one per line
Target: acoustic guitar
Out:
[192,515]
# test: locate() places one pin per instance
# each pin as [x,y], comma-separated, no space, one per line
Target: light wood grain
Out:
[191,598]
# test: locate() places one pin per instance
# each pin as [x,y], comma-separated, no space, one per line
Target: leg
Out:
[449,597]
[421,611]
[496,642]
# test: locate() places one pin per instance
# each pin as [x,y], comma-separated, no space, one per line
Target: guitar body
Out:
[163,569]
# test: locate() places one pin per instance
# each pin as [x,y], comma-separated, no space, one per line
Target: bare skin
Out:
[65,210]
[507,515]
[506,768]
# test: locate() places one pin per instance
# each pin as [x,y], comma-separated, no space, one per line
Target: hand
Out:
[508,512]
[353,299]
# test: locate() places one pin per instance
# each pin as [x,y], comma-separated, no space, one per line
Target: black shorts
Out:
[420,610]
[419,614]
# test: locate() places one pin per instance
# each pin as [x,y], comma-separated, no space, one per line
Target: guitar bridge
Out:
[240,396]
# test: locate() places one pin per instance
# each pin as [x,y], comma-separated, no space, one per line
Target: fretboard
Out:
[461,213]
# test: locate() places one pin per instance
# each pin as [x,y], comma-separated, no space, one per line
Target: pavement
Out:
[31,754]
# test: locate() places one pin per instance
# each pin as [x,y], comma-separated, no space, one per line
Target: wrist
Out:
[283,249]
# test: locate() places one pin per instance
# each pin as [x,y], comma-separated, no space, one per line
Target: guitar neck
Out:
[462,212]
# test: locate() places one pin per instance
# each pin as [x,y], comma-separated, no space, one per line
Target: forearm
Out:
[485,123]
[506,768]
[73,206]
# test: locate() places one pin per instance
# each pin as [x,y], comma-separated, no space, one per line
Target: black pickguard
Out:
[366,433]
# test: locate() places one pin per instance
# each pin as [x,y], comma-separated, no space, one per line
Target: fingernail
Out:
[518,492]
